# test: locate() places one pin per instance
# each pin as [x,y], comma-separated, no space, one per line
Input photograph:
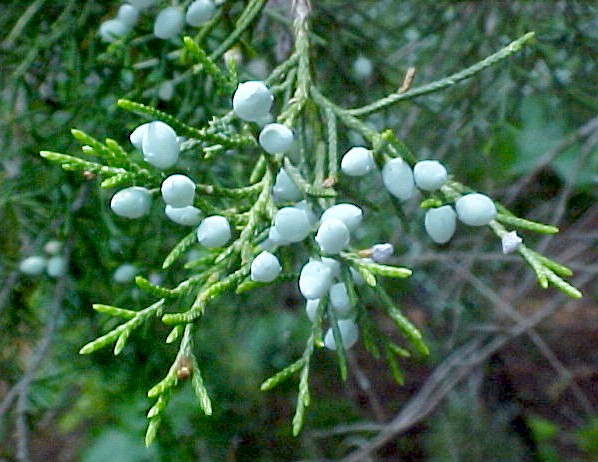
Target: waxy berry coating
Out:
[429,175]
[252,101]
[357,161]
[186,216]
[265,267]
[398,178]
[33,265]
[276,138]
[314,280]
[169,22]
[160,145]
[441,223]
[292,224]
[349,335]
[475,209]
[200,12]
[178,190]
[332,236]
[349,214]
[214,231]
[133,202]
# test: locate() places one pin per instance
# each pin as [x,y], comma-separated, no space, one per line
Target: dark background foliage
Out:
[513,370]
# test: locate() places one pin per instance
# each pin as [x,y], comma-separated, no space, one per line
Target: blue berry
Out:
[186,216]
[292,224]
[112,30]
[33,265]
[252,101]
[475,209]
[128,15]
[200,12]
[265,267]
[169,23]
[133,202]
[340,301]
[276,138]
[284,189]
[349,214]
[332,236]
[429,175]
[398,178]
[314,280]
[214,231]
[441,223]
[357,161]
[56,266]
[178,190]
[349,335]
[160,145]
[125,273]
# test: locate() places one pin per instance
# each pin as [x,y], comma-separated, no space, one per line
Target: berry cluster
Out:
[168,23]
[249,235]
[54,264]
[400,180]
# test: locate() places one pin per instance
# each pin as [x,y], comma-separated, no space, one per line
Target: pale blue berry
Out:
[265,267]
[362,67]
[133,202]
[186,216]
[429,175]
[398,178]
[357,277]
[334,265]
[441,223]
[56,266]
[178,190]
[350,214]
[125,273]
[332,236]
[53,247]
[32,266]
[112,30]
[128,15]
[475,209]
[166,90]
[252,101]
[276,238]
[276,138]
[340,301]
[292,224]
[382,252]
[214,231]
[284,189]
[169,22]
[349,335]
[357,161]
[160,145]
[200,12]
[314,280]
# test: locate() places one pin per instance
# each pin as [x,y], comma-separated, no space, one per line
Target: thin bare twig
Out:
[584,131]
[20,390]
[450,372]
[503,306]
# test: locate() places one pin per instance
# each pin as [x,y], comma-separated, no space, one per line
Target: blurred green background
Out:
[525,131]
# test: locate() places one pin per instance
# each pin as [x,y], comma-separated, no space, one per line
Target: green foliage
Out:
[108,90]
[230,267]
